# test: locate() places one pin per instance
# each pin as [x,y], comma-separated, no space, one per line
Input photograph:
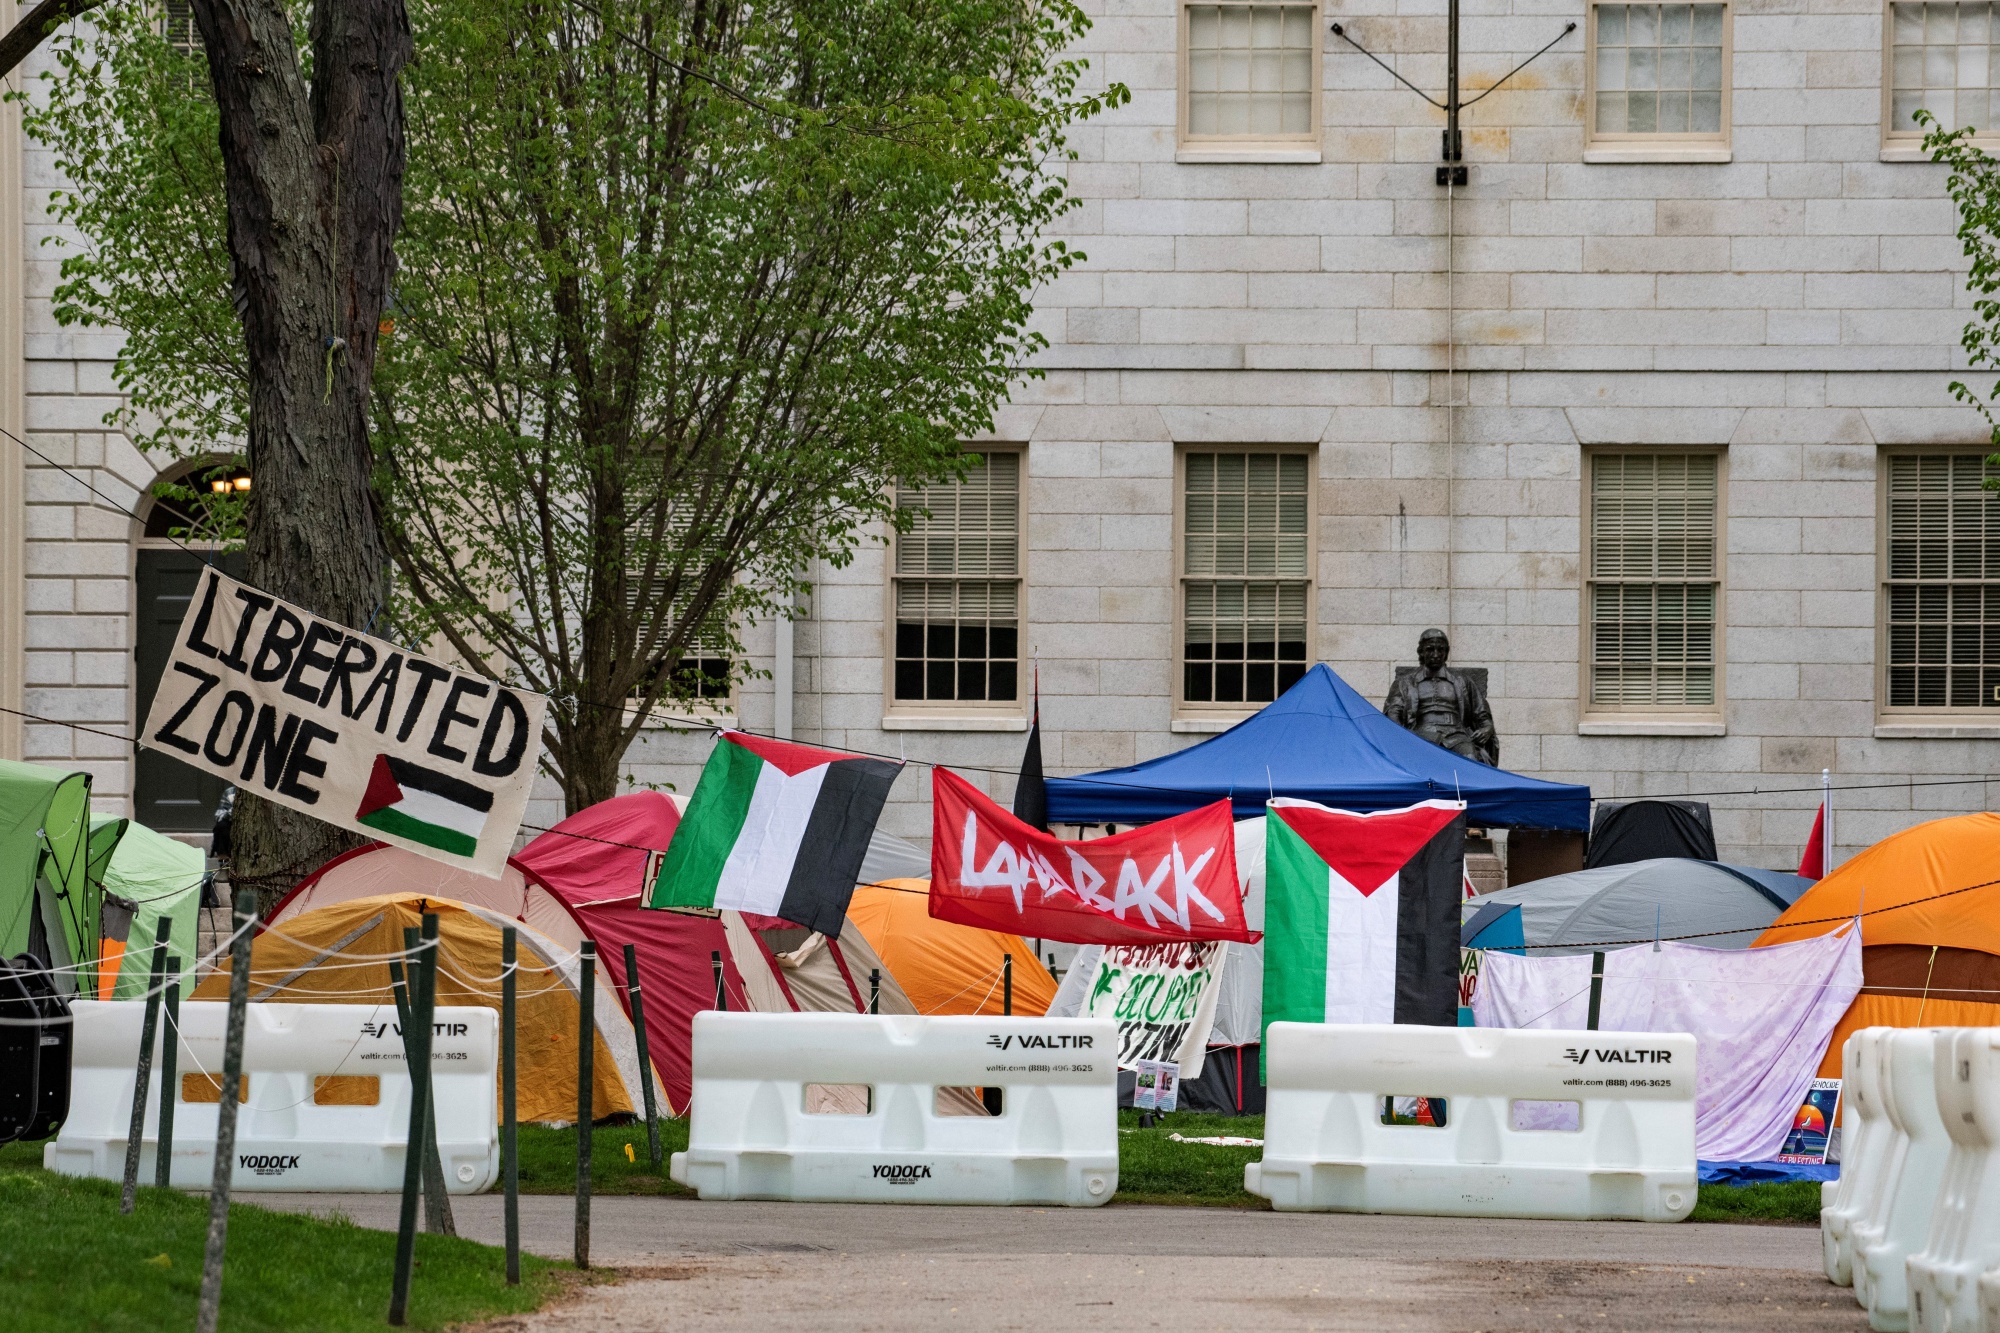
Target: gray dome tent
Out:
[1627,903]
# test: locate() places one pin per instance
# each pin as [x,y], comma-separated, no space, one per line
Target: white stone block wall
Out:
[1797,308]
[77,526]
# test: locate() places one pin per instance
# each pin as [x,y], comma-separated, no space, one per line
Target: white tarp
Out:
[1161,996]
[347,728]
[1761,1020]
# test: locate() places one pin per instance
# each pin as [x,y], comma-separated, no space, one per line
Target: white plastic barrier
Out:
[285,1138]
[1965,1227]
[844,1107]
[1864,1137]
[1616,1111]
[1898,1222]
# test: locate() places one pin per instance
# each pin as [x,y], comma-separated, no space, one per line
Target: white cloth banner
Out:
[350,729]
[1761,1019]
[1161,996]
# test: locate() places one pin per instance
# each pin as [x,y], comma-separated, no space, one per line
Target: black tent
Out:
[1626,831]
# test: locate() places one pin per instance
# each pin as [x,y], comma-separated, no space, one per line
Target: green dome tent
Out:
[161,878]
[49,900]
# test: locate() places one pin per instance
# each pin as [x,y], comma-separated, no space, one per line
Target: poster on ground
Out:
[347,728]
[1815,1134]
[1162,997]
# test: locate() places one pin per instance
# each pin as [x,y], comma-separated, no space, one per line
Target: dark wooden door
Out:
[167,794]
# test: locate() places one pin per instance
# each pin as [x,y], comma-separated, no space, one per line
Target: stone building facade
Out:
[1651,414]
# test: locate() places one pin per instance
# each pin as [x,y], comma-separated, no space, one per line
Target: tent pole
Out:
[586,1038]
[638,1007]
[1596,989]
[148,1029]
[874,990]
[1826,825]
[170,1054]
[1007,984]
[721,994]
[510,1148]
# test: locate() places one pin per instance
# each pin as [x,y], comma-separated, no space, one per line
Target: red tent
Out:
[594,861]
[581,880]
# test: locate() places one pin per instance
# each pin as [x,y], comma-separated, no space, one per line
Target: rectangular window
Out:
[1250,75]
[1246,587]
[704,683]
[1941,585]
[1941,59]
[1653,587]
[1659,77]
[957,588]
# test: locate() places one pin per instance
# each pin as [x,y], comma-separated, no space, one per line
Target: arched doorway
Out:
[171,551]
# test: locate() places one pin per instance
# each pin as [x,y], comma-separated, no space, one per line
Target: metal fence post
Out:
[637,1003]
[149,1028]
[438,1219]
[210,1307]
[510,1146]
[170,1057]
[417,1045]
[586,1041]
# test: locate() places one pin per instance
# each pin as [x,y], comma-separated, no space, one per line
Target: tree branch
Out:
[32,31]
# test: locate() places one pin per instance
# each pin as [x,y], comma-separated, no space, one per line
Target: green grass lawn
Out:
[69,1261]
[1795,1201]
[548,1160]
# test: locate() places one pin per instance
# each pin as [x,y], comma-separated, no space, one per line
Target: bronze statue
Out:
[1444,706]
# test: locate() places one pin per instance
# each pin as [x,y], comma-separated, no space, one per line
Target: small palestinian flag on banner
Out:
[775,828]
[436,809]
[1361,913]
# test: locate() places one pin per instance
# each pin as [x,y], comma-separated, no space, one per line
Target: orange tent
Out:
[1930,936]
[945,968]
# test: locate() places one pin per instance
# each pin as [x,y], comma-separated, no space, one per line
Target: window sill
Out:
[1645,726]
[1909,152]
[1205,726]
[1665,153]
[1249,152]
[1937,729]
[953,722]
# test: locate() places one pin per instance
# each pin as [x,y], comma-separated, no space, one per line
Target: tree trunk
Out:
[314,184]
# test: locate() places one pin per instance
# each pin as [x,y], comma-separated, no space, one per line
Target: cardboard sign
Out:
[1162,996]
[350,729]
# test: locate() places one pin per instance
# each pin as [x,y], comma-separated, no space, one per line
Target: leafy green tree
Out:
[1974,186]
[681,289]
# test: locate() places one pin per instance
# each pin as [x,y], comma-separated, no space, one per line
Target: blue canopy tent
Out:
[1319,741]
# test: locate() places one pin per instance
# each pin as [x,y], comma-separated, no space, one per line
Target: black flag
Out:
[1031,795]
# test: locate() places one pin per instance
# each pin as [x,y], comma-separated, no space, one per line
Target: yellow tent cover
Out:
[339,955]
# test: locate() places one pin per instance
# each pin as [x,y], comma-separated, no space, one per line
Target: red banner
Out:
[1168,882]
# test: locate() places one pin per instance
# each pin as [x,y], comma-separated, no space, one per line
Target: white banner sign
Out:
[350,729]
[1162,996]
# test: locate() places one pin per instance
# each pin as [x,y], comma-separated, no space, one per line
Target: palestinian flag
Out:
[1361,913]
[410,801]
[777,829]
